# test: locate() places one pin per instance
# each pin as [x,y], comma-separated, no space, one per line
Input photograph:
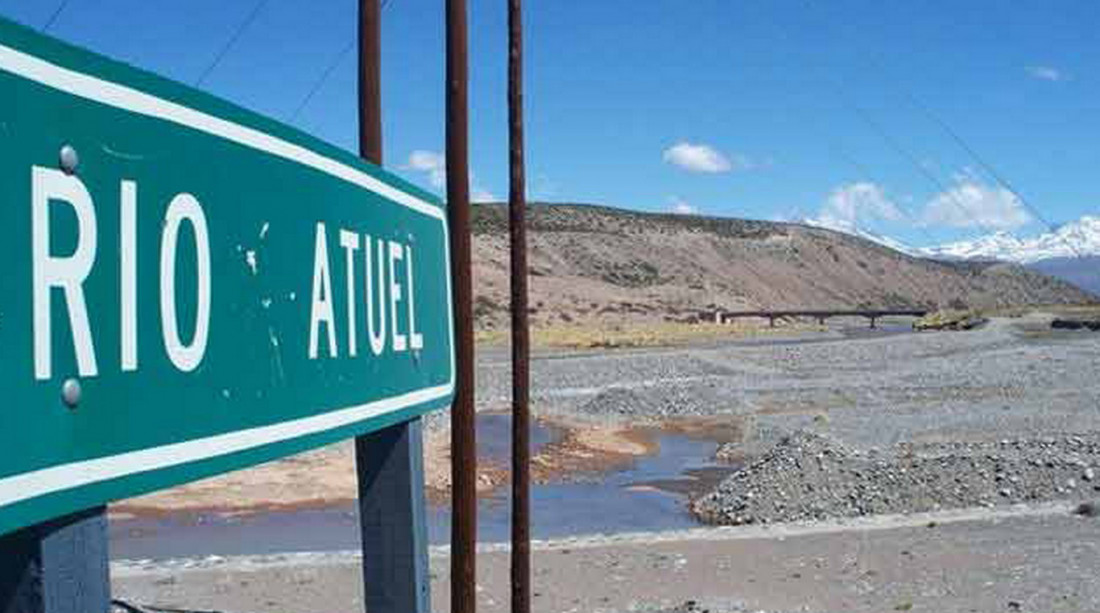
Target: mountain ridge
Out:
[602,264]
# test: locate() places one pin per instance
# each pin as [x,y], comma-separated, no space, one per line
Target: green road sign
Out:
[191,288]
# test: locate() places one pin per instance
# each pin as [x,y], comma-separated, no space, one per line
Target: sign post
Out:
[390,463]
[58,566]
[190,289]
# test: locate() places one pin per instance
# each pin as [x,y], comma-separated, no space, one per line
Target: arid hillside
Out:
[598,264]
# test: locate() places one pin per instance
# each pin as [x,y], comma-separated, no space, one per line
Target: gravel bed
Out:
[700,606]
[1002,379]
[811,476]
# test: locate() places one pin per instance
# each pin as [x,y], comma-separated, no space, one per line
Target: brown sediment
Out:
[718,428]
[326,477]
[321,478]
[583,448]
[591,449]
[437,470]
[128,510]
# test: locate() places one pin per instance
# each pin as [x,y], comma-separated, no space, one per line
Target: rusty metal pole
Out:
[517,204]
[463,442]
[370,90]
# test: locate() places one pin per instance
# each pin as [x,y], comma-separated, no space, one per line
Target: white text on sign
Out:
[385,308]
[386,264]
[50,187]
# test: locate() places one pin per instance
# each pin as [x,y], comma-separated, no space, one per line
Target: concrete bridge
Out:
[819,314]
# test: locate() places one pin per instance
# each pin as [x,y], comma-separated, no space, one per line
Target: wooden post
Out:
[389,462]
[59,566]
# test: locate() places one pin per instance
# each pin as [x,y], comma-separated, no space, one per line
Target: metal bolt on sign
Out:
[69,159]
[70,393]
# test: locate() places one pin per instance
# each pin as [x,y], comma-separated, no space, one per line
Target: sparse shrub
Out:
[485,306]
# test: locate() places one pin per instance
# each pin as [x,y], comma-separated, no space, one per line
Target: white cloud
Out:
[702,158]
[1047,73]
[432,163]
[973,204]
[482,195]
[682,207]
[856,204]
[435,165]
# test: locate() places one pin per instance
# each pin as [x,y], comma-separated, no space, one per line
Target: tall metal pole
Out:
[517,204]
[463,449]
[370,79]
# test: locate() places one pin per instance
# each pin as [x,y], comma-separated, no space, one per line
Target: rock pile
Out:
[619,401]
[1066,323]
[809,476]
[949,320]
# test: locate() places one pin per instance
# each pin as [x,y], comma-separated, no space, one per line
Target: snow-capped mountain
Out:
[848,228]
[1075,239]
[1078,238]
[997,246]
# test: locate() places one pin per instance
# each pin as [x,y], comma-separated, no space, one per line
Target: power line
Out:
[864,174]
[837,84]
[232,40]
[53,18]
[955,136]
[862,171]
[321,81]
[899,149]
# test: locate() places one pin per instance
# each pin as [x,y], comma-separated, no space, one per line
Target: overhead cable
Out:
[53,18]
[232,41]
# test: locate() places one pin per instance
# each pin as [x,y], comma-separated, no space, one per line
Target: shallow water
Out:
[648,495]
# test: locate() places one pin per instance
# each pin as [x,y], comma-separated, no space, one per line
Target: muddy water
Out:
[647,495]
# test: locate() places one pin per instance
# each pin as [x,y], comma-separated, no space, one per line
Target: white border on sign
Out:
[29,485]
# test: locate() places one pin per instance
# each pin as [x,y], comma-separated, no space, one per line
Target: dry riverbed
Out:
[990,435]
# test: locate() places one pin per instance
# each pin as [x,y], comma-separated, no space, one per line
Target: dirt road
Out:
[1018,559]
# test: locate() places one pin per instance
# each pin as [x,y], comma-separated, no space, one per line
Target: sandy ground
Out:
[1014,559]
[326,477]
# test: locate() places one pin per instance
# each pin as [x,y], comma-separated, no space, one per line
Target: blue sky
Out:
[768,109]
